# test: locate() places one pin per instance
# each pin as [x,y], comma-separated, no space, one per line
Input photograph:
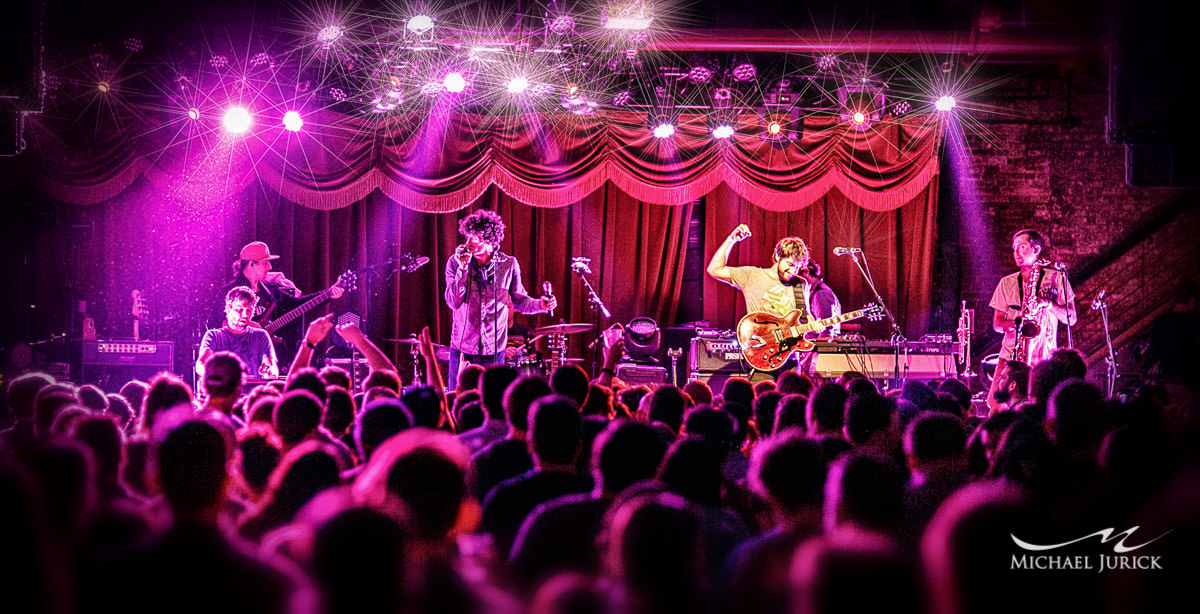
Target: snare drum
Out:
[530,365]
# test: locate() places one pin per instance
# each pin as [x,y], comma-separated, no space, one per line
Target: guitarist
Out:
[276,293]
[771,289]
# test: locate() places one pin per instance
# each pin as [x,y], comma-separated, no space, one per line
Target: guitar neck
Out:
[796,331]
[288,317]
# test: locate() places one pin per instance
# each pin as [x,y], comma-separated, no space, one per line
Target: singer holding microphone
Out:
[777,289]
[481,284]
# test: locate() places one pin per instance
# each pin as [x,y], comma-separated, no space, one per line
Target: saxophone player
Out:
[1028,306]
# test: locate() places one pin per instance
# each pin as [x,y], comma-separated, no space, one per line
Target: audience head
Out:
[259,456]
[934,437]
[692,468]
[825,413]
[790,382]
[468,377]
[919,393]
[766,408]
[134,391]
[763,387]
[872,420]
[861,385]
[378,421]
[469,415]
[738,390]
[570,381]
[382,379]
[307,378]
[23,391]
[790,413]
[713,425]
[864,490]
[599,401]
[91,397]
[850,573]
[626,452]
[1076,416]
[425,405]
[119,408]
[554,427]
[339,410]
[520,396]
[191,467]
[223,376]
[334,375]
[653,547]
[297,416]
[492,385]
[788,471]
[427,472]
[700,392]
[166,391]
[666,405]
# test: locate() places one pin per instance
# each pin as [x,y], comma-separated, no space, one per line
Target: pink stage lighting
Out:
[193,113]
[292,121]
[664,130]
[858,117]
[104,87]
[454,82]
[722,131]
[517,85]
[237,120]
[945,103]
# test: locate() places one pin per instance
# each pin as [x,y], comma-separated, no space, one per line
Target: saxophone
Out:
[1025,324]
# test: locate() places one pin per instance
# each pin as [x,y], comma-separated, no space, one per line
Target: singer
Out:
[481,283]
[777,289]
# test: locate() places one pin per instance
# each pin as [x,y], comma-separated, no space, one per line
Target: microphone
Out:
[842,251]
[548,290]
[1099,300]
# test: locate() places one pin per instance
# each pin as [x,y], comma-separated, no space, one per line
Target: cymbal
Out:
[411,341]
[566,329]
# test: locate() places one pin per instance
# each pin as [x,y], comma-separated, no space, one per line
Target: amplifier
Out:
[715,354]
[110,364]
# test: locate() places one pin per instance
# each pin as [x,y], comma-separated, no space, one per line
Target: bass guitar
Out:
[768,340]
[347,281]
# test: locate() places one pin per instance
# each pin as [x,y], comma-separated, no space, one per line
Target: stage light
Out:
[664,130]
[945,103]
[626,15]
[826,62]
[642,339]
[774,128]
[104,87]
[394,80]
[572,89]
[193,113]
[419,24]
[337,94]
[623,98]
[329,34]
[722,131]
[858,118]
[699,74]
[744,72]
[454,82]
[901,108]
[562,24]
[237,120]
[517,85]
[292,121]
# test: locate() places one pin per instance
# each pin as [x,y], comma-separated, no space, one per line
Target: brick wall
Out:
[1041,161]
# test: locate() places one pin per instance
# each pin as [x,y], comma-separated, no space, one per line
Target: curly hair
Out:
[486,225]
[791,247]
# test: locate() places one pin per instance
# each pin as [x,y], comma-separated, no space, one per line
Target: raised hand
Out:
[319,329]
[740,233]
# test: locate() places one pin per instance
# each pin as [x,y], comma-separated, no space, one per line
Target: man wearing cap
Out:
[276,293]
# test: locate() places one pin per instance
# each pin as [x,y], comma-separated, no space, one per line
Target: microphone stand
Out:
[1110,361]
[898,338]
[1062,268]
[580,267]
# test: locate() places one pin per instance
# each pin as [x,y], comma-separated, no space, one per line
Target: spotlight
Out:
[292,121]
[237,120]
[744,72]
[664,130]
[419,24]
[516,85]
[901,108]
[858,117]
[337,94]
[699,74]
[722,131]
[104,87]
[572,89]
[774,128]
[945,103]
[454,82]
[193,113]
[827,62]
[329,34]
[563,24]
[622,98]
[626,15]
[642,339]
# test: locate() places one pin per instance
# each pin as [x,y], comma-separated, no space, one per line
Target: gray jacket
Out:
[476,295]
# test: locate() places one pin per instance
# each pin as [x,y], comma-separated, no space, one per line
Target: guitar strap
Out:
[801,301]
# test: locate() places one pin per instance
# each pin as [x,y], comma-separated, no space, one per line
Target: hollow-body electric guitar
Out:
[768,340]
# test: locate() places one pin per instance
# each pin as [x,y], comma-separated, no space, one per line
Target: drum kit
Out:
[526,360]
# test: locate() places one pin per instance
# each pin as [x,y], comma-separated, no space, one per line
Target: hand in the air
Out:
[425,343]
[319,329]
[741,232]
[350,332]
[549,303]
